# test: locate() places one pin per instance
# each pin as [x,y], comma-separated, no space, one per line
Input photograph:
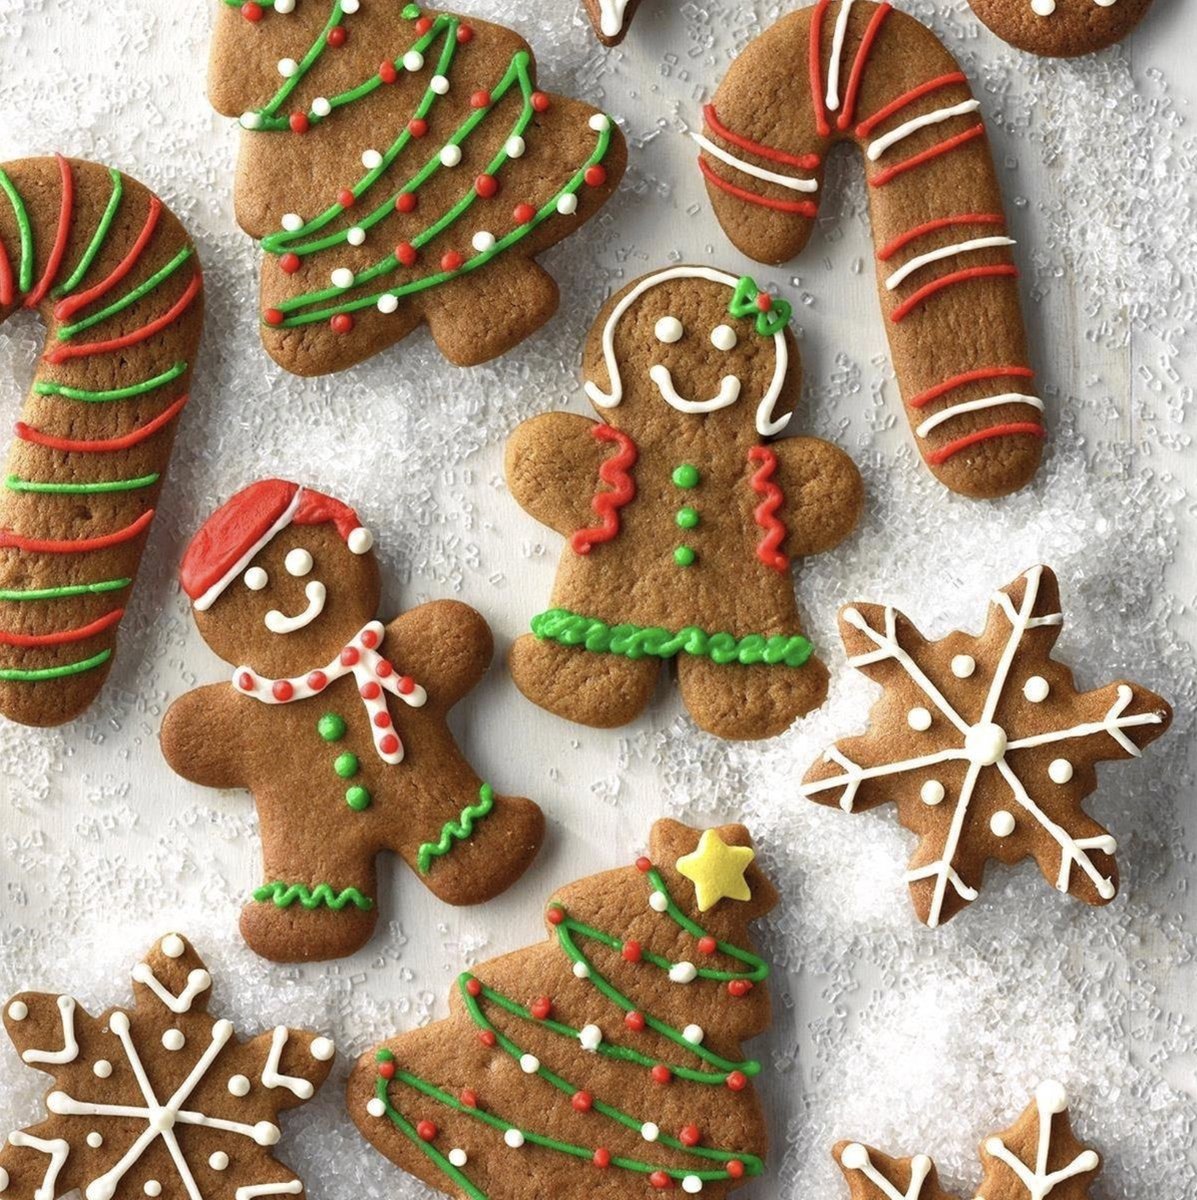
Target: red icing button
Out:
[631,951]
[272,316]
[480,99]
[317,681]
[469,1098]
[523,213]
[739,988]
[661,1073]
[383,669]
[251,11]
[540,102]
[635,1022]
[602,1158]
[245,681]
[427,1130]
[387,1070]
[487,1038]
[451,260]
[473,987]
[660,1180]
[582,1102]
[387,72]
[289,263]
[464,34]
[406,253]
[346,198]
[342,323]
[382,720]
[596,176]
[338,36]
[689,1135]
[299,122]
[541,1007]
[371,690]
[555,916]
[389,744]
[707,944]
[282,690]
[737,1081]
[735,1168]
[406,684]
[349,656]
[369,639]
[644,865]
[417,127]
[486,186]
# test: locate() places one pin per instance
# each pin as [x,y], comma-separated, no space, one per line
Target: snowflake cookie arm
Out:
[444,646]
[46,1029]
[871,1175]
[552,464]
[203,737]
[290,1063]
[823,494]
[1038,1157]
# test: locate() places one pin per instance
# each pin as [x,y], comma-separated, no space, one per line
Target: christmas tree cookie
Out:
[336,723]
[683,515]
[158,1099]
[607,1061]
[400,167]
[986,746]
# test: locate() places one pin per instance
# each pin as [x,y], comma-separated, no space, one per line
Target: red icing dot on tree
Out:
[386,1070]
[289,263]
[317,681]
[660,1180]
[739,988]
[338,36]
[635,1022]
[689,1135]
[464,34]
[245,681]
[523,213]
[486,186]
[371,690]
[350,656]
[737,1081]
[602,1158]
[387,72]
[389,744]
[423,25]
[382,720]
[487,1038]
[469,1098]
[406,202]
[251,12]
[451,260]
[643,864]
[541,1007]
[583,1102]
[346,198]
[272,316]
[540,102]
[707,944]
[596,175]
[427,1130]
[407,254]
[369,639]
[735,1168]
[661,1073]
[473,987]
[299,122]
[342,323]
[282,690]
[555,915]
[632,951]
[480,99]
[417,127]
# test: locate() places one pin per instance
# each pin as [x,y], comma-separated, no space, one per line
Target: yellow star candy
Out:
[717,870]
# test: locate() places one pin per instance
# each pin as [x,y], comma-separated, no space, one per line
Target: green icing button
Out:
[687,518]
[331,727]
[346,765]
[411,11]
[686,476]
[357,798]
[684,556]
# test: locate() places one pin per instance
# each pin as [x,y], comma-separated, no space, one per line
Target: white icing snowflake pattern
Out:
[117,1125]
[996,753]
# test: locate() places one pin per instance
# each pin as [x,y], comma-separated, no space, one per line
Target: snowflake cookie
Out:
[1036,1158]
[986,746]
[160,1099]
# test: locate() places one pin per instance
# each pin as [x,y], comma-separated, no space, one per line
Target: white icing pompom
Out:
[600,122]
[322,1049]
[376,1107]
[450,155]
[658,901]
[1036,689]
[342,277]
[361,540]
[292,222]
[101,1068]
[439,84]
[238,1085]
[18,1010]
[683,972]
[963,665]
[458,1157]
[172,946]
[567,205]
[413,60]
[669,330]
[590,1037]
[581,971]
[516,146]
[529,1064]
[371,159]
[693,1034]
[287,67]
[95,1139]
[387,304]
[483,241]
[919,719]
[173,1039]
[218,1161]
[1002,823]
[932,792]
[321,107]
[514,1138]
[650,1131]
[1059,770]
[355,235]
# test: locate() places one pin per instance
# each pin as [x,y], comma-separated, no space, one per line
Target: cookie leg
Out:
[748,703]
[601,690]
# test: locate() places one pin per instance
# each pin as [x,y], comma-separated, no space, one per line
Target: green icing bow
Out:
[744,303]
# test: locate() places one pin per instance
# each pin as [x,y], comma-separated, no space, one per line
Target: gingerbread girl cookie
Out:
[860,72]
[987,747]
[416,189]
[336,723]
[156,1099]
[682,514]
[116,280]
[1061,28]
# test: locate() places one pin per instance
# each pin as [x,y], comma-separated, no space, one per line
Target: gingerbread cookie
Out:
[986,746]
[159,1099]
[607,1061]
[611,18]
[682,514]
[1061,28]
[1037,1157]
[865,73]
[336,724]
[418,190]
[117,282]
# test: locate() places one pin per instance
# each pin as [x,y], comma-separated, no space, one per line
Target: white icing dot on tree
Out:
[529,1064]
[683,972]
[450,155]
[321,106]
[355,235]
[514,1138]
[371,159]
[650,1131]
[658,901]
[590,1037]
[413,60]
[691,1185]
[693,1034]
[440,84]
[567,205]
[458,1157]
[375,1107]
[387,303]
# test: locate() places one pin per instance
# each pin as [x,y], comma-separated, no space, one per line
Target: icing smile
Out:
[278,622]
[728,394]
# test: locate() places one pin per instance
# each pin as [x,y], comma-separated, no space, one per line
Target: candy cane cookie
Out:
[865,73]
[117,282]
[611,18]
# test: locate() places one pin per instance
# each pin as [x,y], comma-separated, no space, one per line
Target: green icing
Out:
[684,556]
[284,895]
[37,674]
[686,476]
[48,387]
[687,518]
[16,484]
[98,239]
[331,727]
[456,831]
[25,275]
[138,293]
[61,593]
[638,641]
[358,798]
[346,765]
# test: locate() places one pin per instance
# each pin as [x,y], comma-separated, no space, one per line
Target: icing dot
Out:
[450,155]
[18,1010]
[919,719]
[514,1138]
[1036,689]
[1043,8]
[251,120]
[669,330]
[600,122]
[371,159]
[439,84]
[515,146]
[1051,1096]
[658,901]
[218,1161]
[855,1157]
[238,1085]
[963,665]
[350,6]
[691,1185]
[590,1037]
[567,204]
[413,60]
[342,277]
[1001,823]
[355,236]
[483,240]
[723,337]
[529,1064]
[932,792]
[101,1068]
[387,303]
[173,1039]
[172,946]
[581,971]
[321,107]
[361,540]
[376,1107]
[256,579]
[322,1049]
[284,6]
[985,744]
[292,222]
[95,1140]
[152,1187]
[683,972]
[287,67]
[1059,770]
[3,1179]
[458,1157]
[650,1131]
[693,1034]
[298,561]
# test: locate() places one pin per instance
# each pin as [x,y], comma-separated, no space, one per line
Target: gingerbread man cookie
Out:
[336,723]
[158,1099]
[117,282]
[860,72]
[607,1061]
[682,514]
[1061,28]
[987,747]
[419,189]
[1036,1158]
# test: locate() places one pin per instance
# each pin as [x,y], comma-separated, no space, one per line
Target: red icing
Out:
[644,864]
[342,323]
[28,434]
[917,160]
[338,36]
[369,639]
[465,34]
[245,681]
[406,684]
[615,473]
[596,175]
[661,1073]
[423,25]
[17,541]
[925,398]
[473,987]
[735,1168]
[289,263]
[469,1098]
[737,1081]
[63,636]
[739,988]
[350,656]
[282,690]
[541,1008]
[602,1158]
[486,186]
[583,1102]
[389,744]
[632,951]
[384,668]
[382,720]
[251,11]
[803,208]
[555,915]
[806,162]
[66,206]
[346,198]
[387,1070]
[6,280]
[406,253]
[299,122]
[946,281]
[523,213]
[417,127]
[480,99]
[891,248]
[689,1135]
[932,85]
[707,944]
[273,316]
[635,1022]
[487,1038]
[387,72]
[942,455]
[540,102]
[765,513]
[858,66]
[451,260]
[426,1130]
[317,681]
[660,1180]
[371,690]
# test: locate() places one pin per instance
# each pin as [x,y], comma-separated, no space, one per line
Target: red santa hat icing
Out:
[230,538]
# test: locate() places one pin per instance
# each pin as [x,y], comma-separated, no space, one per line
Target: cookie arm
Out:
[445,646]
[823,494]
[552,464]
[202,737]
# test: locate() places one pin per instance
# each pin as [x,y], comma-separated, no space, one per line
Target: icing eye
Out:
[723,337]
[256,579]
[669,330]
[298,561]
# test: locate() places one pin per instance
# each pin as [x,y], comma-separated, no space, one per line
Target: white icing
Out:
[371,159]
[611,16]
[1059,770]
[95,1139]
[658,901]
[355,235]
[341,277]
[287,67]
[361,540]
[668,330]
[413,60]
[298,562]
[450,155]
[513,1138]
[600,122]
[173,946]
[173,1039]
[198,980]
[683,972]
[691,1185]
[967,406]
[515,146]
[567,204]
[218,1161]
[458,1157]
[1001,824]
[70,1047]
[919,719]
[440,84]
[316,594]
[292,222]
[376,1107]
[529,1064]
[101,1068]
[766,424]
[483,240]
[56,1148]
[1036,689]
[18,1010]
[292,1188]
[837,51]
[723,337]
[581,971]
[694,1034]
[271,1076]
[922,260]
[855,1157]
[793,182]
[963,666]
[152,1187]
[1043,8]
[321,106]
[985,743]
[322,1049]
[880,145]
[256,579]
[590,1037]
[238,1085]
[932,792]
[728,394]
[650,1131]
[364,671]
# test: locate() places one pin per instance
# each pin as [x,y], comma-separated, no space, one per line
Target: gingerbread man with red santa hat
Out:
[336,723]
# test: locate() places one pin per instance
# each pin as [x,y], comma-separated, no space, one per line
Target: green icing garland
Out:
[37,674]
[129,298]
[752,1165]
[50,388]
[456,831]
[98,238]
[61,593]
[636,641]
[16,484]
[283,895]
[25,281]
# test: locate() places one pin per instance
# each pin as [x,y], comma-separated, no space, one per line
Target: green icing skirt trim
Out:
[283,895]
[639,641]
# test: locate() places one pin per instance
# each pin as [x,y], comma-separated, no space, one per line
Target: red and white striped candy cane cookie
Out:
[856,71]
[117,282]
